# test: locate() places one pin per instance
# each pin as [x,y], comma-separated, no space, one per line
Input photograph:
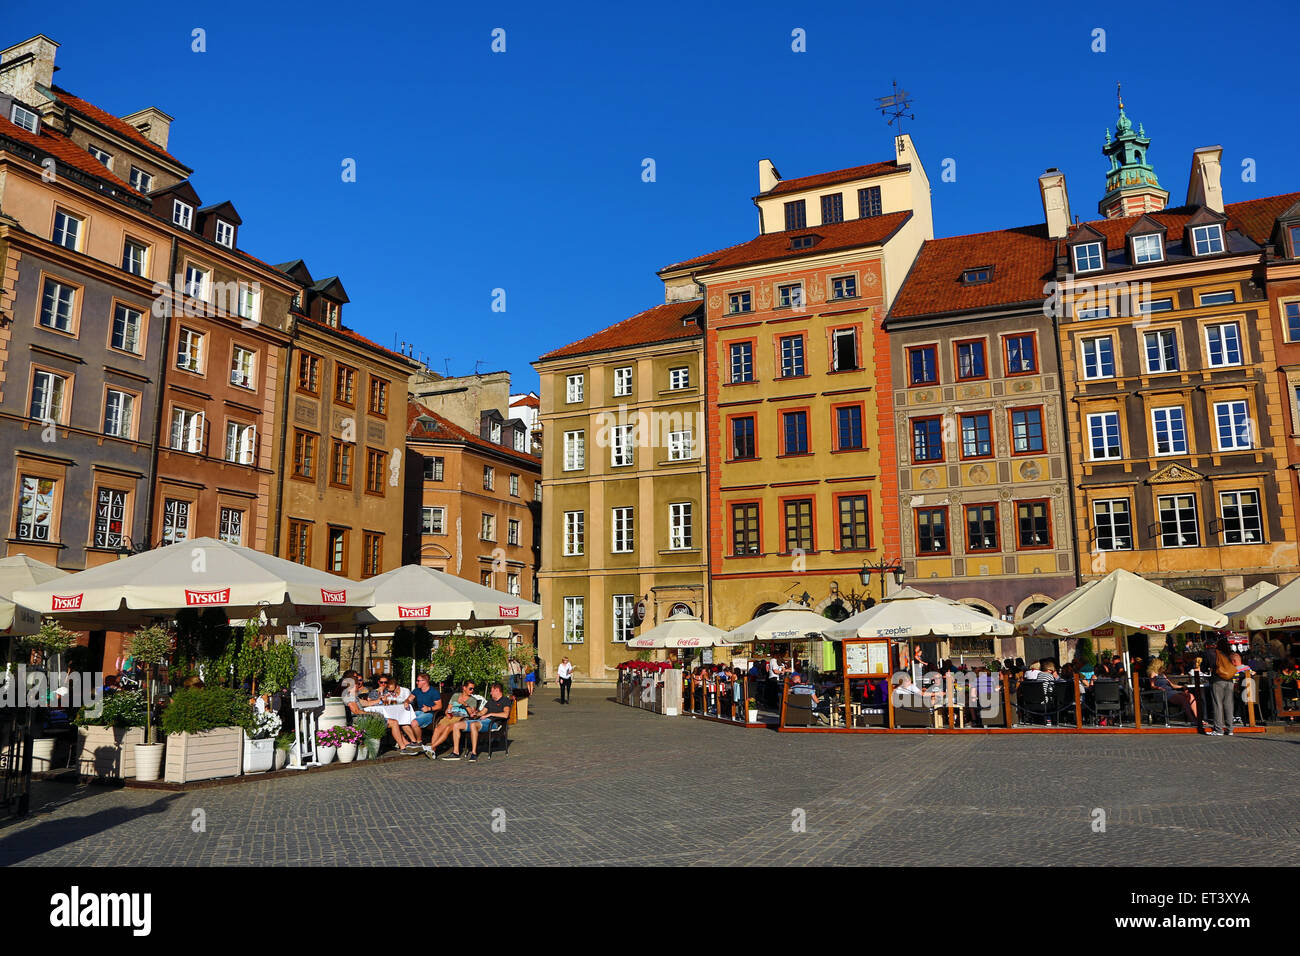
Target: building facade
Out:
[801,461]
[624,526]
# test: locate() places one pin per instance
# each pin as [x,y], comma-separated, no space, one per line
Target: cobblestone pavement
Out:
[596,783]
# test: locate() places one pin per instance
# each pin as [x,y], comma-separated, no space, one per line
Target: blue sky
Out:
[522,170]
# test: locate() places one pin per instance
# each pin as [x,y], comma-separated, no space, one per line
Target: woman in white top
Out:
[396,709]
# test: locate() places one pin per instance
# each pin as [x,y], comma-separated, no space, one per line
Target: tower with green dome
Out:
[1131,184]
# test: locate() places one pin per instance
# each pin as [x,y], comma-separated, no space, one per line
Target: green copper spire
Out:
[1129,172]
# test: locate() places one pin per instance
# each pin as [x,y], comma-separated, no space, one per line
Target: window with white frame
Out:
[189,350]
[514,486]
[1232,425]
[494,433]
[512,583]
[176,521]
[231,528]
[243,367]
[679,377]
[1178,524]
[433,520]
[1160,348]
[25,118]
[1222,297]
[36,508]
[520,438]
[225,234]
[1240,517]
[489,477]
[620,446]
[126,329]
[1112,524]
[844,287]
[680,528]
[573,624]
[623,381]
[187,430]
[574,533]
[67,230]
[512,531]
[135,257]
[119,413]
[742,362]
[680,446]
[110,518]
[1169,425]
[250,302]
[573,388]
[140,180]
[1148,248]
[790,295]
[48,391]
[58,300]
[1103,436]
[1223,344]
[103,155]
[844,350]
[1098,357]
[1147,306]
[197,282]
[739,302]
[1087,257]
[624,537]
[1207,240]
[487,527]
[182,214]
[791,356]
[241,443]
[623,617]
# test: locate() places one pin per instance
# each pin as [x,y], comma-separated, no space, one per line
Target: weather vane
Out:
[896,107]
[1119,93]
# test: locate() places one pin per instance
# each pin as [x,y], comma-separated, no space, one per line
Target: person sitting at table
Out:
[495,711]
[458,708]
[1033,671]
[1174,693]
[1049,671]
[908,694]
[395,707]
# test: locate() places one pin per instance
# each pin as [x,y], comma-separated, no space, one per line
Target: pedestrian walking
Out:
[565,675]
[1221,684]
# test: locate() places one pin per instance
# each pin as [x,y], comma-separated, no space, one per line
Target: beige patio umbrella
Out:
[911,613]
[1278,610]
[416,594]
[1252,595]
[682,629]
[17,572]
[1125,601]
[195,574]
[791,621]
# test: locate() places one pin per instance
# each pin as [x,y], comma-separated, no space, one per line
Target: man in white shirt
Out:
[565,674]
[775,673]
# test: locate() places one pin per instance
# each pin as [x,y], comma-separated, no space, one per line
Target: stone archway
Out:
[979,604]
[1032,604]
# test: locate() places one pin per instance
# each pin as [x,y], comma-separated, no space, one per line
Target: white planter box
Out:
[259,755]
[213,753]
[108,752]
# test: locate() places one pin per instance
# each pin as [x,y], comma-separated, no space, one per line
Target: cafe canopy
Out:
[17,572]
[791,621]
[414,594]
[910,613]
[682,629]
[1122,599]
[1279,610]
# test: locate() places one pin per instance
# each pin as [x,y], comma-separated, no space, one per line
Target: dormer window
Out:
[1293,236]
[495,432]
[140,180]
[1148,248]
[21,116]
[182,214]
[225,234]
[331,312]
[103,155]
[976,276]
[1207,240]
[803,242]
[1087,257]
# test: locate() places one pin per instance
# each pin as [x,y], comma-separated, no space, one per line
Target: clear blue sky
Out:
[522,170]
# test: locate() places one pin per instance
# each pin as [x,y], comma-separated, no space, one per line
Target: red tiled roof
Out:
[445,430]
[117,125]
[1022,261]
[663,323]
[356,337]
[529,400]
[774,246]
[1255,217]
[64,150]
[830,179]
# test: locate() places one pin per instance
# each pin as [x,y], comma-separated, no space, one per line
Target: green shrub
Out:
[206,708]
[123,708]
[1083,651]
[371,726]
[462,658]
[284,741]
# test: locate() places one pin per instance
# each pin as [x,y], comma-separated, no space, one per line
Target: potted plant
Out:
[51,639]
[106,740]
[346,739]
[283,744]
[372,728]
[150,646]
[328,742]
[205,728]
[259,742]
[752,707]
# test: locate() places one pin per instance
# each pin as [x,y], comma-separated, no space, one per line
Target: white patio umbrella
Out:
[910,613]
[1252,595]
[1279,610]
[682,629]
[1122,599]
[194,574]
[791,621]
[17,572]
[414,593]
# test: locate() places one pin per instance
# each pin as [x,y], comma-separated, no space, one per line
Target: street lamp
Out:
[886,566]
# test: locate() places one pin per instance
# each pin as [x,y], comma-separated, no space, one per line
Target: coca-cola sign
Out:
[70,602]
[412,612]
[206,598]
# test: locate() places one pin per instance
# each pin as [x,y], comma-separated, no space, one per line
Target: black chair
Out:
[1155,706]
[1035,705]
[498,730]
[1106,701]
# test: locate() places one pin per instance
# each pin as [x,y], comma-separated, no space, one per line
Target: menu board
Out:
[866,658]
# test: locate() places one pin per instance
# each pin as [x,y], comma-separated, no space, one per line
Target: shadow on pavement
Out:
[22,844]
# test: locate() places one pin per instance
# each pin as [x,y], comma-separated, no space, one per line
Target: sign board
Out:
[306,691]
[866,658]
[640,611]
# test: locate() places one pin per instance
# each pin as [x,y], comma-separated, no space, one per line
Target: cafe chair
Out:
[1106,702]
[1155,706]
[1035,706]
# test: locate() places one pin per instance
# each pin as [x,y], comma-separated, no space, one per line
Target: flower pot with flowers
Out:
[337,740]
[752,707]
[259,742]
[150,646]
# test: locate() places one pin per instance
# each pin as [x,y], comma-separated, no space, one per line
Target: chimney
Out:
[1203,184]
[1056,204]
[768,177]
[25,65]
[153,123]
